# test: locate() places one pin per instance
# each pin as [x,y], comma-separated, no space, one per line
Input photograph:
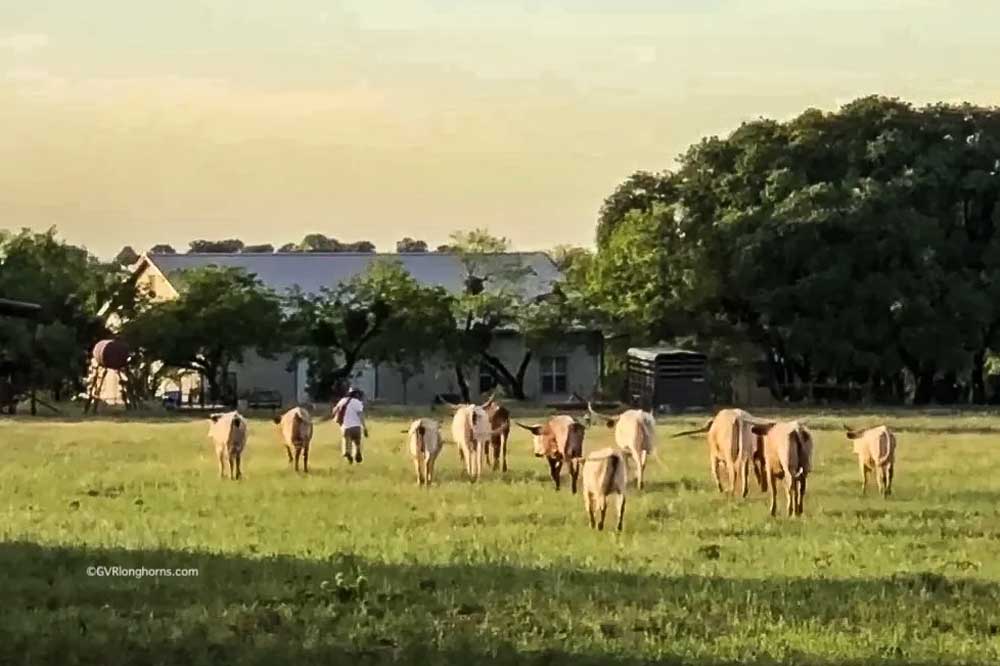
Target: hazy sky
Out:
[130,122]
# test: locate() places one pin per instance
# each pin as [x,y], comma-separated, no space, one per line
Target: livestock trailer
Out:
[17,376]
[667,378]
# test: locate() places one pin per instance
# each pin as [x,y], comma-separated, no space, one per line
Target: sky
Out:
[125,122]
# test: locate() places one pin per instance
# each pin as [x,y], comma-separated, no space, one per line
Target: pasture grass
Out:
[356,564]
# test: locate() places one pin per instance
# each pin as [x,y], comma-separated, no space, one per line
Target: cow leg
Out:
[640,465]
[864,478]
[602,506]
[745,470]
[774,494]
[589,501]
[731,469]
[305,459]
[800,496]
[298,455]
[239,466]
[555,470]
[288,451]
[889,474]
[419,470]
[429,469]
[879,479]
[222,466]
[620,510]
[479,459]
[790,487]
[503,452]
[714,467]
[574,473]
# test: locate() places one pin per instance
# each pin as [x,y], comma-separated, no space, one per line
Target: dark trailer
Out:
[8,371]
[667,377]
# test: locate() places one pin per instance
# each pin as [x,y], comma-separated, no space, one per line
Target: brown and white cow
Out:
[560,441]
[787,448]
[876,451]
[496,452]
[733,446]
[228,431]
[296,434]
[635,434]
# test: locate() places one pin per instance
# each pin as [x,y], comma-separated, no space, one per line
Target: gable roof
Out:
[311,271]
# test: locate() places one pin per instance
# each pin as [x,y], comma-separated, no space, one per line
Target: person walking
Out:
[349,412]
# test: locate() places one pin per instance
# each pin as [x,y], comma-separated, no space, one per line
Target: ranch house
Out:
[569,365]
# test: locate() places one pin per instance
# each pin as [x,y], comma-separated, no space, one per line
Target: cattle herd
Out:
[738,443]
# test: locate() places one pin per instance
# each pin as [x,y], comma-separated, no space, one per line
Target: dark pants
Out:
[351,443]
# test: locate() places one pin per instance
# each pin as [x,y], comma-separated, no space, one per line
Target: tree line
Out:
[310,243]
[854,254]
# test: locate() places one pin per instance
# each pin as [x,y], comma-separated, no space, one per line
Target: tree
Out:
[228,246]
[265,248]
[639,192]
[71,286]
[498,296]
[219,315]
[382,314]
[420,322]
[126,256]
[408,244]
[162,248]
[321,243]
[855,248]
[566,257]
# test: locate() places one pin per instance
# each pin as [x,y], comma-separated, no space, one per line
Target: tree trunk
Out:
[513,385]
[924,392]
[463,386]
[979,377]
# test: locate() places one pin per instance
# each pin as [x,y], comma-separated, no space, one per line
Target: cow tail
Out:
[613,461]
[421,430]
[799,453]
[885,438]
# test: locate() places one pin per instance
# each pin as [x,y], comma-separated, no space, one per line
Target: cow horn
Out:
[533,429]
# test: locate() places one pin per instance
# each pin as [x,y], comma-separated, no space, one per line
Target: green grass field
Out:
[358,565]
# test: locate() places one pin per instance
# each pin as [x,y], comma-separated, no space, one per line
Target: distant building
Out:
[569,365]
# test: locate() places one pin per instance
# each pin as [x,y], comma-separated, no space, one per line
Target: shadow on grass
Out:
[345,609]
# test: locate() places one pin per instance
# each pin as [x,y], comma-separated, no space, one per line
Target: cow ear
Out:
[277,420]
[761,429]
[214,418]
[611,422]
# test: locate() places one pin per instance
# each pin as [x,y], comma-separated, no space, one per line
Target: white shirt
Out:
[353,410]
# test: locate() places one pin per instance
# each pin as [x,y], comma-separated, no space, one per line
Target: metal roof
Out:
[652,353]
[311,271]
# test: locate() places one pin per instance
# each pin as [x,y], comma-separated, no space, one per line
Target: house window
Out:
[486,380]
[553,369]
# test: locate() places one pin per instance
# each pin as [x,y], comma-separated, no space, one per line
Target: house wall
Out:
[583,374]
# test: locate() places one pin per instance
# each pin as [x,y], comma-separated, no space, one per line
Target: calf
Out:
[733,446]
[296,433]
[560,441]
[635,433]
[876,452]
[787,451]
[424,437]
[604,475]
[228,431]
[500,424]
[470,428]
